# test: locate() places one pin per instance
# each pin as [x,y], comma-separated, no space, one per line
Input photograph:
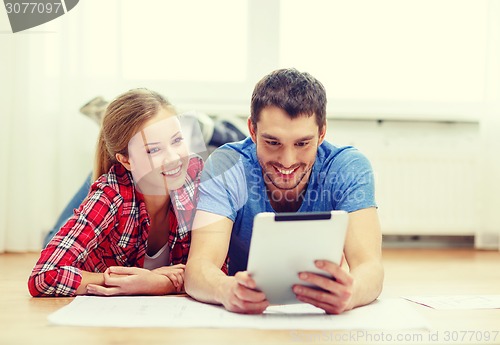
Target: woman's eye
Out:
[177,140]
[152,150]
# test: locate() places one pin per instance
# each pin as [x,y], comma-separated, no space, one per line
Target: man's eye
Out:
[273,143]
[152,150]
[302,144]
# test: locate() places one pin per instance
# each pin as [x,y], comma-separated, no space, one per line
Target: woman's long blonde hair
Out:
[123,118]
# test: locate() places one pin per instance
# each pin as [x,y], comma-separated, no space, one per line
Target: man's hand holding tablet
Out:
[294,257]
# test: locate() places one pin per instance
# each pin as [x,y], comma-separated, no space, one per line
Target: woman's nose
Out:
[170,156]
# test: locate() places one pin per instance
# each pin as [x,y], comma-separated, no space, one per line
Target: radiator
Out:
[426,193]
[426,174]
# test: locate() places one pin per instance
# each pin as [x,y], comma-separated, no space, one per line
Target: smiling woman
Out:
[165,163]
[132,216]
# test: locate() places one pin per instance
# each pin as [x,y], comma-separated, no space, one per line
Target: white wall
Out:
[445,56]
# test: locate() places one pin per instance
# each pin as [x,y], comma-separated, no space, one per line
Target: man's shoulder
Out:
[337,157]
[233,153]
[244,147]
[328,150]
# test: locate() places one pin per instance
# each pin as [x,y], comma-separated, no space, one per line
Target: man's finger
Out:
[338,273]
[243,278]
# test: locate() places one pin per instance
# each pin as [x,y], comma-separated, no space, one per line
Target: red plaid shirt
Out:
[111,228]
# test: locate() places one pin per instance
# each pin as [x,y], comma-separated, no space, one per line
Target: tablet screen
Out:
[284,244]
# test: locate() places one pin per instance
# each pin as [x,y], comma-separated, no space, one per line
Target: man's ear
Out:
[123,161]
[322,134]
[252,130]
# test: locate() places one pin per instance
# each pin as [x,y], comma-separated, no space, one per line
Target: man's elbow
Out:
[379,283]
[189,276]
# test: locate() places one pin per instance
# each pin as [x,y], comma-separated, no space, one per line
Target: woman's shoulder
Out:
[195,166]
[117,184]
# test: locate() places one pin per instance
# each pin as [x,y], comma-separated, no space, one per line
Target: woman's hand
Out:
[119,280]
[175,273]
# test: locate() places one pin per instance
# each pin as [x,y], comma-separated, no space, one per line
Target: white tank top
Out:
[160,259]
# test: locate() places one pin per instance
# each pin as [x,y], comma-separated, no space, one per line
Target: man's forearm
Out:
[368,282]
[204,281]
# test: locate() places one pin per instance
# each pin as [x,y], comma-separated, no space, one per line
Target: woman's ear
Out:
[123,161]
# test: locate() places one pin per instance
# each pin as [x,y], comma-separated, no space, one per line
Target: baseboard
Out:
[427,241]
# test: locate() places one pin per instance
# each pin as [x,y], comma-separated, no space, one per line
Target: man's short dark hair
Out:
[297,93]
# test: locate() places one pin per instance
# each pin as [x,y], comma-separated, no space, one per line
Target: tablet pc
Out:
[284,244]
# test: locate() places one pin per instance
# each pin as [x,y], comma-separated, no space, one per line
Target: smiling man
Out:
[285,166]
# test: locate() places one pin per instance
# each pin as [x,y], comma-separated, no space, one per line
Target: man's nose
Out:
[287,158]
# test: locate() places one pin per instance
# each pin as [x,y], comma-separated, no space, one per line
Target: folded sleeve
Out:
[58,270]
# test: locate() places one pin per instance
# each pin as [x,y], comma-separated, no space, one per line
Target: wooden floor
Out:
[23,320]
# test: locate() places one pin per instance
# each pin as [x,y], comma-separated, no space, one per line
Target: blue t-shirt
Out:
[232,185]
